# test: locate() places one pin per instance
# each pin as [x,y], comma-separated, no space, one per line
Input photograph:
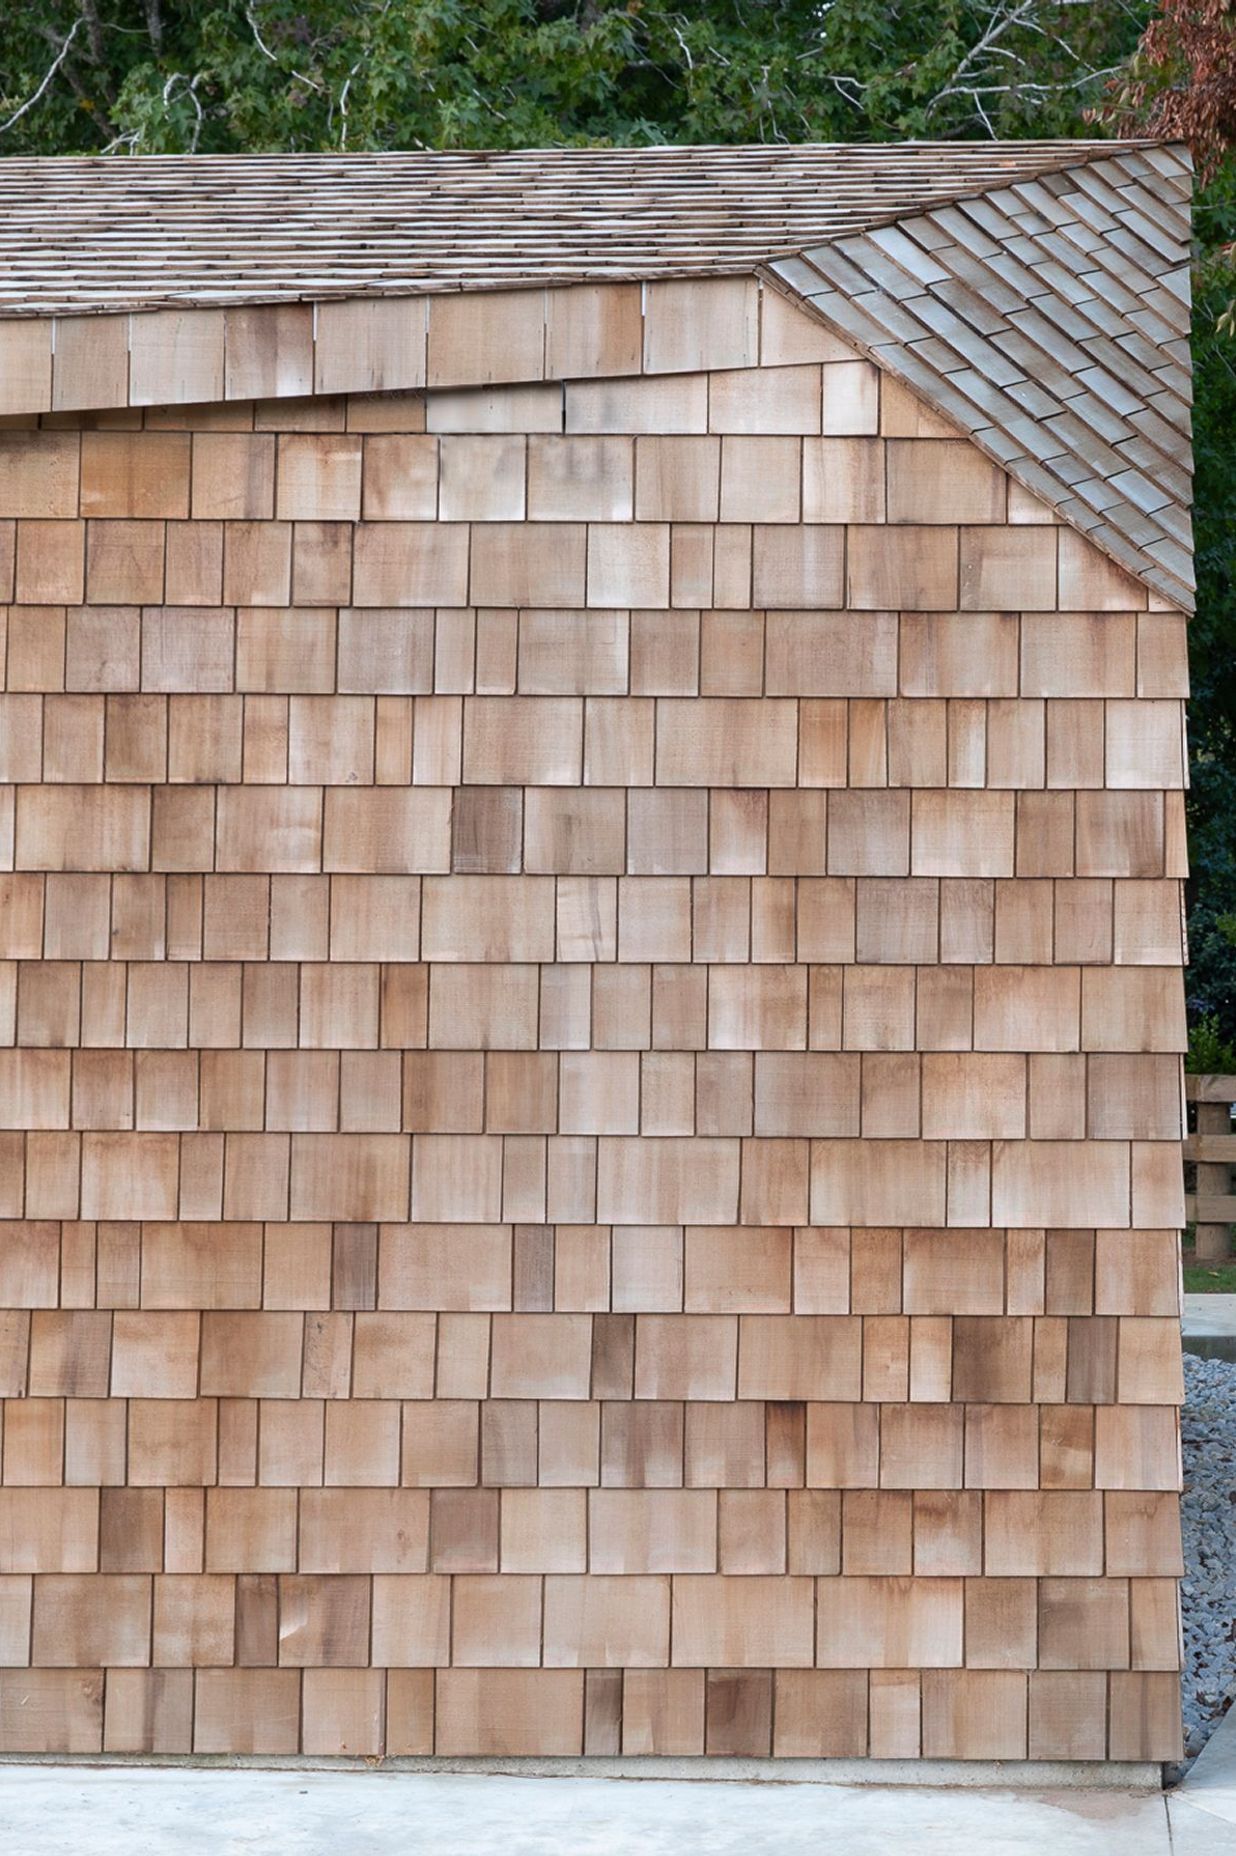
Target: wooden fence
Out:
[1211,1206]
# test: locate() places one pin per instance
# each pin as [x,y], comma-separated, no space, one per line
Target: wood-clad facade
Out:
[590,1011]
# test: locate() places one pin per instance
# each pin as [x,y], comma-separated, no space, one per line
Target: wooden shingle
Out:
[590,972]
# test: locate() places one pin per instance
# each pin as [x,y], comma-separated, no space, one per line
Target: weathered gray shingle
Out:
[1035,293]
[1072,371]
[95,233]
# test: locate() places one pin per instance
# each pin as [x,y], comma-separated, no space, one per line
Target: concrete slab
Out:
[1210,1785]
[1208,1326]
[1197,1833]
[100,1811]
[1207,1316]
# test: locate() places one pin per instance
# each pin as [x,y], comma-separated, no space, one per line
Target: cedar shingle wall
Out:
[591,995]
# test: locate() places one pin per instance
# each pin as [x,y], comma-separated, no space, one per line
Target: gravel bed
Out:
[1208,1591]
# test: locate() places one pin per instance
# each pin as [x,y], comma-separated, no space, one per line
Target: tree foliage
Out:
[1212,644]
[221,76]
[213,76]
[1181,82]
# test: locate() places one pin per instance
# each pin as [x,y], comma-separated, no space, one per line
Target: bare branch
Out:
[1005,18]
[48,76]
[260,42]
[343,103]
[301,77]
[87,96]
[94,29]
[190,90]
[974,92]
[850,88]
[346,90]
[991,57]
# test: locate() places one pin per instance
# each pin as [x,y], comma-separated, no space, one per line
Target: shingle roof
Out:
[138,234]
[1036,293]
[1049,319]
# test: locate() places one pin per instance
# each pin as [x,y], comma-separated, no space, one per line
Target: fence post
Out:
[1213,1097]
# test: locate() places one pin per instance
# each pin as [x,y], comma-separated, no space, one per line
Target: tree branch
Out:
[975,91]
[300,76]
[974,74]
[48,76]
[94,29]
[169,92]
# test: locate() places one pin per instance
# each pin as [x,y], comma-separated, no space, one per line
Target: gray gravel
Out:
[1208,1591]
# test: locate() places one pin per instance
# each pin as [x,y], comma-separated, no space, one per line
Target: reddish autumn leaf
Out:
[1181,84]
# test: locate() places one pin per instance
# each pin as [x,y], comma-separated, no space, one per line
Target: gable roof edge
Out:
[1038,484]
[1048,324]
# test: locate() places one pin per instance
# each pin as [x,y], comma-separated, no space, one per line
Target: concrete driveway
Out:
[98,1811]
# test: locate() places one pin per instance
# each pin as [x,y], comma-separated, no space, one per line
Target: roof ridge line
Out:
[617,150]
[977,193]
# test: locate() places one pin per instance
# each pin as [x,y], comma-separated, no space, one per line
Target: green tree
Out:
[1212,640]
[171,76]
[222,76]
[1181,82]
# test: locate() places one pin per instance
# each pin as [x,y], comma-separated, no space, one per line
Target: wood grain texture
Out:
[591,1001]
